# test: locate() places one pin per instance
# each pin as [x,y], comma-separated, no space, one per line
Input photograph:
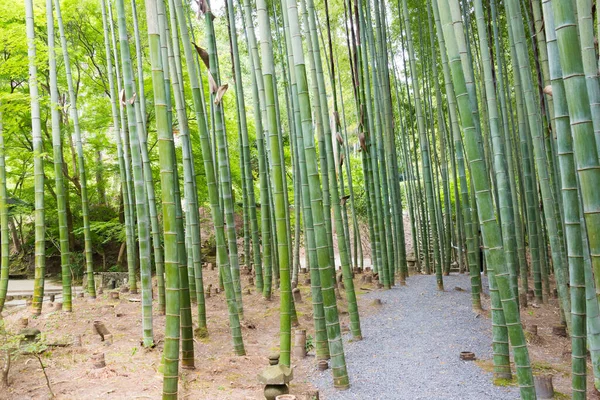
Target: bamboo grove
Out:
[333,130]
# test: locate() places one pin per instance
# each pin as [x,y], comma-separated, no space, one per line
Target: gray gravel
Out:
[411,346]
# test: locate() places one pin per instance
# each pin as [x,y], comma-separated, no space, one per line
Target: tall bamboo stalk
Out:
[38,166]
[61,203]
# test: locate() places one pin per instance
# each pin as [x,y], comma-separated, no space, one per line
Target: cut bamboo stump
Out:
[208,290]
[322,365]
[559,330]
[522,299]
[285,397]
[103,332]
[532,329]
[467,356]
[544,388]
[98,360]
[114,295]
[24,321]
[300,343]
[297,295]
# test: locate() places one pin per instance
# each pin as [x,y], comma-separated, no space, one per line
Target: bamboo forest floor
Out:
[409,351]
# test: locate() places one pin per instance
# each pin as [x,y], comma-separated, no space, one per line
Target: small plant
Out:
[309,343]
[12,346]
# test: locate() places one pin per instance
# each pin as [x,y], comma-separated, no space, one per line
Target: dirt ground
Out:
[548,353]
[132,371]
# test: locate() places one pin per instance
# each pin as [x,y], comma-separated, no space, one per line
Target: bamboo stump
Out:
[98,360]
[522,299]
[559,330]
[544,388]
[103,332]
[114,295]
[322,365]
[297,295]
[300,343]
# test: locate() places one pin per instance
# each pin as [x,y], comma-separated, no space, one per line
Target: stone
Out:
[30,335]
[275,378]
[108,280]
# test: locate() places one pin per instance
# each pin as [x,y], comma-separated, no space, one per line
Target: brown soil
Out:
[548,353]
[132,371]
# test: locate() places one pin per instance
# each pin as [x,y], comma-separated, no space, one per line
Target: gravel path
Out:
[410,348]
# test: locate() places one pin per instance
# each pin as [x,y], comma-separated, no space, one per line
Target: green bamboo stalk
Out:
[455,44]
[176,7]
[338,362]
[127,182]
[423,142]
[572,217]
[141,198]
[223,163]
[4,247]
[516,25]
[38,166]
[65,256]
[278,182]
[90,285]
[321,343]
[582,130]
[502,184]
[166,151]
[190,192]
[516,236]
[335,197]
